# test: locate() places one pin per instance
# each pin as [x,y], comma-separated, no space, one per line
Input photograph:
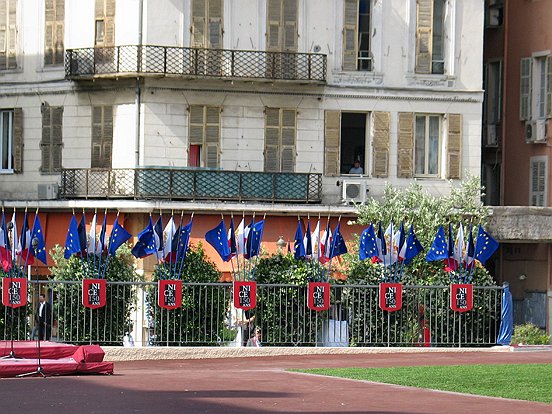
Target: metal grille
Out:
[220,63]
[354,318]
[198,184]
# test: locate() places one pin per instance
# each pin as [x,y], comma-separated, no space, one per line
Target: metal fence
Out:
[190,184]
[354,319]
[195,62]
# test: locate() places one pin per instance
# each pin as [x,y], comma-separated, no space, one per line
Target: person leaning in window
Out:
[356,168]
[43,318]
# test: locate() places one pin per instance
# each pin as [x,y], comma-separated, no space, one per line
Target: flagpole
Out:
[257,255]
[322,269]
[94,244]
[332,247]
[104,224]
[109,245]
[85,247]
[232,231]
[181,268]
[174,266]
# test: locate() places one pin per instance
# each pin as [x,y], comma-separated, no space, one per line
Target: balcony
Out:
[157,61]
[190,184]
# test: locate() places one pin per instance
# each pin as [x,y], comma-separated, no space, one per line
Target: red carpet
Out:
[56,359]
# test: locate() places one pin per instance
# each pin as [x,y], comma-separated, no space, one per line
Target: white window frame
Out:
[367,142]
[544,193]
[9,140]
[539,84]
[426,155]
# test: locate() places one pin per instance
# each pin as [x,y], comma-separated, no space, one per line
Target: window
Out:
[51,143]
[11,140]
[102,136]
[426,145]
[204,138]
[430,36]
[54,17]
[207,23]
[282,26]
[536,88]
[105,23]
[538,181]
[8,34]
[356,35]
[492,84]
[280,138]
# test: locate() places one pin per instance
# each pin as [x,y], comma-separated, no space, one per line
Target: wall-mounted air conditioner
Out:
[536,131]
[47,191]
[354,191]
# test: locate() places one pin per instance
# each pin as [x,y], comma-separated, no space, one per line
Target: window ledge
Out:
[357,78]
[6,172]
[430,80]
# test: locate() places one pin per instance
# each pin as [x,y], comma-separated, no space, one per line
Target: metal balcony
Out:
[193,62]
[190,184]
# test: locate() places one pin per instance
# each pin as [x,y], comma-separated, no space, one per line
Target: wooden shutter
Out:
[102,136]
[54,17]
[215,24]
[332,138]
[57,137]
[18,140]
[199,17]
[424,35]
[525,86]
[405,165]
[196,125]
[212,136]
[290,26]
[272,140]
[549,86]
[105,11]
[288,140]
[51,143]
[538,183]
[273,32]
[8,34]
[350,35]
[454,146]
[381,144]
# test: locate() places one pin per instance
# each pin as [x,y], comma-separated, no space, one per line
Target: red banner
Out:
[319,296]
[245,295]
[94,293]
[170,294]
[461,297]
[14,291]
[390,296]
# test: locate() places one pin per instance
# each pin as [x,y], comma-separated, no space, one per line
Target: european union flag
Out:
[338,246]
[298,246]
[413,246]
[217,238]
[485,246]
[256,236]
[118,236]
[83,238]
[183,241]
[38,246]
[100,247]
[368,247]
[72,243]
[146,242]
[439,248]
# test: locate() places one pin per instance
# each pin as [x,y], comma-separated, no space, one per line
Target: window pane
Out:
[542,87]
[438,26]
[5,140]
[433,150]
[420,145]
[194,156]
[100,31]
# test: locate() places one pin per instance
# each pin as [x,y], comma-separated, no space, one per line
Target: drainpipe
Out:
[137,100]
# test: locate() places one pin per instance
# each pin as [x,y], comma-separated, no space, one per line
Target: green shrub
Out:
[529,334]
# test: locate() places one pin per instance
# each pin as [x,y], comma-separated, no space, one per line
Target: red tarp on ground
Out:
[55,359]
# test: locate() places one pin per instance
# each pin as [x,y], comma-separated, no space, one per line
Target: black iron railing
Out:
[190,184]
[194,62]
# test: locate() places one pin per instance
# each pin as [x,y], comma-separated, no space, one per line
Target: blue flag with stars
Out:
[217,238]
[338,246]
[485,246]
[413,246]
[368,247]
[298,246]
[146,242]
[256,236]
[38,245]
[439,248]
[83,238]
[118,236]
[183,241]
[72,243]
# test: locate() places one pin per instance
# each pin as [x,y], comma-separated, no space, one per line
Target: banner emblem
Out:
[245,295]
[390,296]
[318,296]
[94,293]
[170,294]
[461,297]
[14,292]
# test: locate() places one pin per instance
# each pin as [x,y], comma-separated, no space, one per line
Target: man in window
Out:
[356,168]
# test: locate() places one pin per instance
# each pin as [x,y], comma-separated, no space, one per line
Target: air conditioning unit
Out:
[490,138]
[354,191]
[536,131]
[47,191]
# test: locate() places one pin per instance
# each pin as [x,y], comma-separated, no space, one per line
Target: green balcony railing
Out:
[190,184]
[194,62]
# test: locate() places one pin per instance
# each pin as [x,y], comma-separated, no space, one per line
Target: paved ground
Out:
[257,385]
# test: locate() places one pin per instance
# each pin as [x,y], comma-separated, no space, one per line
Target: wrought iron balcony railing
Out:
[190,184]
[184,61]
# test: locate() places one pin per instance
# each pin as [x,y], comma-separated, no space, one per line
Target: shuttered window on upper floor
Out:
[280,140]
[54,18]
[281,26]
[102,136]
[51,143]
[430,36]
[538,181]
[207,29]
[357,35]
[104,23]
[204,136]
[8,34]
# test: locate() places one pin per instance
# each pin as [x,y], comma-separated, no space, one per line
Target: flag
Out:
[485,246]
[25,243]
[459,245]
[158,238]
[232,240]
[411,247]
[169,232]
[289,248]
[92,241]
[325,243]
[5,246]
[402,237]
[72,244]
[368,247]
[118,236]
[255,238]
[146,242]
[183,241]
[82,234]
[247,239]
[38,247]
[382,245]
[298,246]
[315,241]
[439,248]
[218,238]
[338,246]
[241,238]
[102,242]
[307,240]
[390,256]
[470,252]
[15,247]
